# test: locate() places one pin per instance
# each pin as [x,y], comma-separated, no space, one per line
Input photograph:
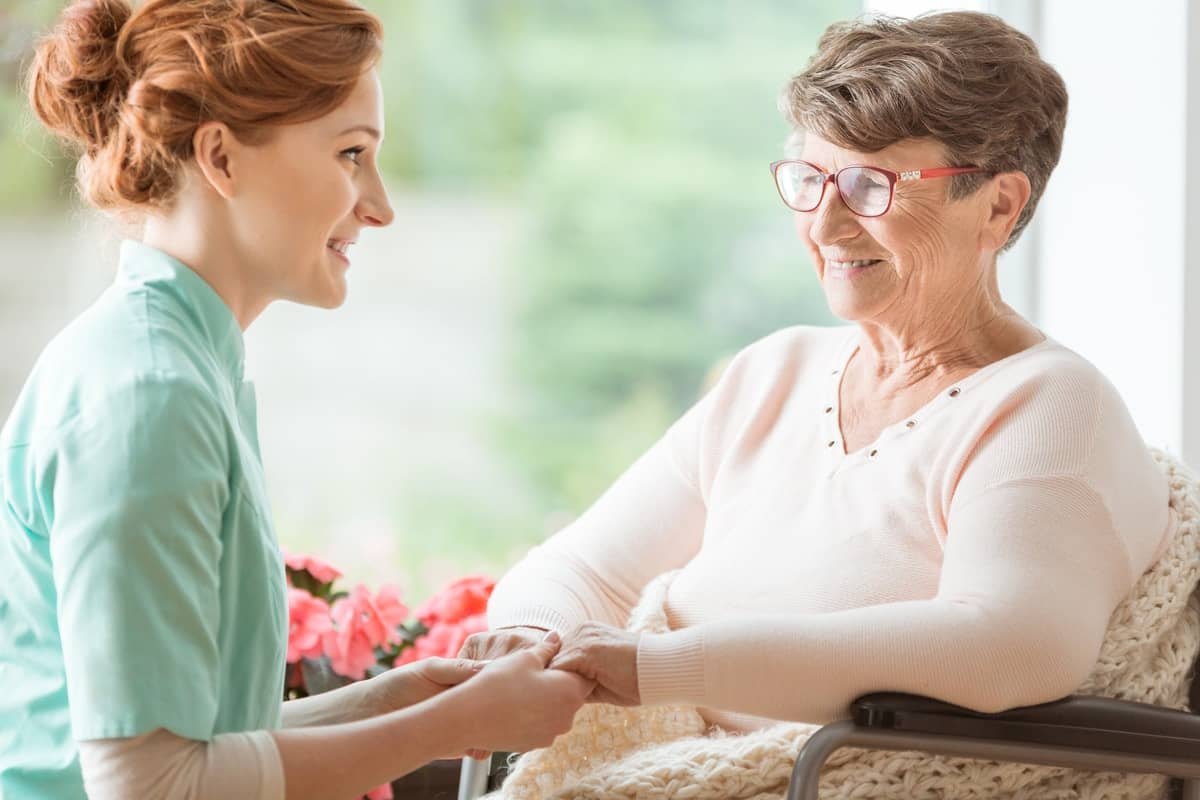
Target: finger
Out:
[546,649]
[569,660]
[602,694]
[469,647]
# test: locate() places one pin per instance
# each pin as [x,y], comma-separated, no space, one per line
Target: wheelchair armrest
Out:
[1078,720]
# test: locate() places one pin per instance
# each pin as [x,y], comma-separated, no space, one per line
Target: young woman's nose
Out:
[373,207]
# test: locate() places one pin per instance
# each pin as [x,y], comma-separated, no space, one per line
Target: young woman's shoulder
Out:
[109,362]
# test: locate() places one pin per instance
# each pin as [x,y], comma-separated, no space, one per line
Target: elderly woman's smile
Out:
[848,266]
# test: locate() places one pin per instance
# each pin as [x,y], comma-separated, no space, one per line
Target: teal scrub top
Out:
[141,583]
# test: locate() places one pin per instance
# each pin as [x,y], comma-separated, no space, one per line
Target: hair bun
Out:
[77,79]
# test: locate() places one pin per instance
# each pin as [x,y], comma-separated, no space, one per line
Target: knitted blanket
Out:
[669,752]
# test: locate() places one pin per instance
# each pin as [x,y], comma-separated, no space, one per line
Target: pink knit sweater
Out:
[973,552]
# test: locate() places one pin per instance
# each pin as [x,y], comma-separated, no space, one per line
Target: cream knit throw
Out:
[667,751]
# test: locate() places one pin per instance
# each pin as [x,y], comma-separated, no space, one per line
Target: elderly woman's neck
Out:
[947,341]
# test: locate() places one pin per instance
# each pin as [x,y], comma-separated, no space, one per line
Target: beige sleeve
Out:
[1032,572]
[160,765]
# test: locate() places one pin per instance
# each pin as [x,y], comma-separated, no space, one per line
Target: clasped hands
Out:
[522,686]
[602,654]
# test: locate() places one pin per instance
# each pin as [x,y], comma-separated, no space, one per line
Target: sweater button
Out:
[955,392]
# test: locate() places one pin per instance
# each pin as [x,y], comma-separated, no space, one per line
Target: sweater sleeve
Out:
[160,764]
[1052,517]
[650,521]
[1032,571]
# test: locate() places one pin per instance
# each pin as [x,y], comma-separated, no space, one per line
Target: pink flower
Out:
[362,623]
[407,656]
[383,792]
[465,597]
[308,621]
[475,624]
[322,571]
[443,640]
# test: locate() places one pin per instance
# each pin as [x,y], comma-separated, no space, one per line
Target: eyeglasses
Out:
[866,191]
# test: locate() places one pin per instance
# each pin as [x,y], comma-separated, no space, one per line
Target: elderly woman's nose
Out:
[831,221]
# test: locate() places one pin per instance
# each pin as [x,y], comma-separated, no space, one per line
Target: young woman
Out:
[143,619]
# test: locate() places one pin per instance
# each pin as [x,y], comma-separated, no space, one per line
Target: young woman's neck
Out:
[200,238]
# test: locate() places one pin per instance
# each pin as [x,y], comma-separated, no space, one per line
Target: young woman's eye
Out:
[353,153]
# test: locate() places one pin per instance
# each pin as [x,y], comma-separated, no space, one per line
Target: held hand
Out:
[494,644]
[421,680]
[516,704]
[606,655]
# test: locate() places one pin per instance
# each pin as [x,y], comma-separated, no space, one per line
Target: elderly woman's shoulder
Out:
[802,345]
[1055,366]
[1054,391]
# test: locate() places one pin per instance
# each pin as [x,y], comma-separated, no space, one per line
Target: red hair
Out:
[129,88]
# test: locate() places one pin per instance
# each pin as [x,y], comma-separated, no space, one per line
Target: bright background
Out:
[586,226]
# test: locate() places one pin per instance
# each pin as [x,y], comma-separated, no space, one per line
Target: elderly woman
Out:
[937,498]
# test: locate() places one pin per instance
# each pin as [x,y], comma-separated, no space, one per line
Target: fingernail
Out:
[551,637]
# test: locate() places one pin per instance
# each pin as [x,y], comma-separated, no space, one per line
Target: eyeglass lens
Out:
[864,190]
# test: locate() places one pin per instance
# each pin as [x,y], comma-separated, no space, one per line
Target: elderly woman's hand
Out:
[606,655]
[490,645]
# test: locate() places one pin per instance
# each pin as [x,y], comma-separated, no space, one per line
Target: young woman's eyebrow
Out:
[369,130]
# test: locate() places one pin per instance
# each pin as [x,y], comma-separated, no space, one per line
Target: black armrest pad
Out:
[1076,720]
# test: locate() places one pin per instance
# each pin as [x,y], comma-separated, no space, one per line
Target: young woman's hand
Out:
[490,645]
[405,686]
[516,704]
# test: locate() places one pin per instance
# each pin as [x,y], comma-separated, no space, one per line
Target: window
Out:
[585,226]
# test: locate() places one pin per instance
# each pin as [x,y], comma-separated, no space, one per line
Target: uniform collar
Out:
[213,319]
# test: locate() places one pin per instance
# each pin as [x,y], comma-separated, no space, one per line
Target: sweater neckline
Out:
[835,445]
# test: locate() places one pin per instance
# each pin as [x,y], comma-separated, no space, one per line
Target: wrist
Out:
[377,695]
[455,714]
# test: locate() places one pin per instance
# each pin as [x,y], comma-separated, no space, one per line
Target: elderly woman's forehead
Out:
[899,155]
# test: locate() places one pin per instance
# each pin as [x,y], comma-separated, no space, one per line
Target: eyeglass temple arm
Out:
[936,172]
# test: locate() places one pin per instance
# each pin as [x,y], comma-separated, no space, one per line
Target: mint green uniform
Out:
[141,584]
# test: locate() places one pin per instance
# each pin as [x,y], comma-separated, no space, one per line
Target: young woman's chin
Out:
[328,287]
[333,296]
[328,291]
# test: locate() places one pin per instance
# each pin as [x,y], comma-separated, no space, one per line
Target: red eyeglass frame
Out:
[892,176]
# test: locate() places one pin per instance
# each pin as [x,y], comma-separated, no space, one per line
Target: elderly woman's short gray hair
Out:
[967,80]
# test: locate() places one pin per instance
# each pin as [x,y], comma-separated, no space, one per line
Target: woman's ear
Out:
[216,150]
[1008,194]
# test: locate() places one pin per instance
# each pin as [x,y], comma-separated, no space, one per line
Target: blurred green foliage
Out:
[635,136]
